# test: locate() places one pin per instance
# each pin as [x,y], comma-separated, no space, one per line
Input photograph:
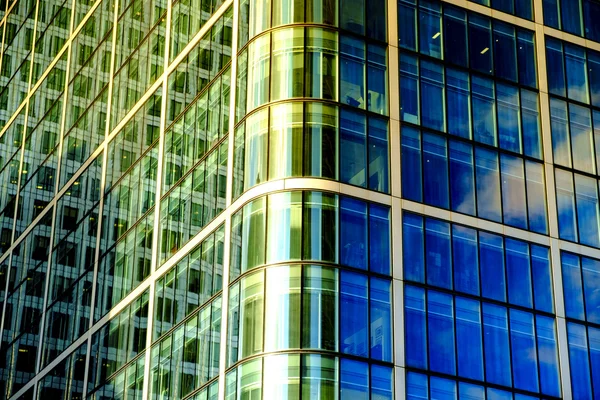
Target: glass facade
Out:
[299,199]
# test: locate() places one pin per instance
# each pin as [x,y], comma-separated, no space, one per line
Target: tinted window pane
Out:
[542,278]
[455,35]
[457,91]
[432,95]
[353,233]
[465,259]
[548,356]
[579,362]
[519,273]
[468,339]
[437,244]
[381,319]
[413,238]
[462,177]
[524,354]
[497,357]
[572,286]
[440,321]
[488,184]
[412,182]
[435,170]
[414,314]
[591,282]
[491,257]
[353,327]
[379,239]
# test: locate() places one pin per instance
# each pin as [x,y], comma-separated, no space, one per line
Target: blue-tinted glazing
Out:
[487,173]
[432,95]
[379,239]
[455,36]
[590,269]
[532,141]
[542,278]
[438,251]
[484,110]
[523,349]
[458,99]
[435,170]
[381,382]
[378,167]
[409,88]
[440,321]
[509,115]
[480,43]
[505,55]
[576,72]
[353,145]
[381,319]
[571,16]
[513,191]
[588,213]
[526,58]
[465,259]
[354,378]
[491,258]
[547,355]
[353,233]
[416,386]
[565,202]
[555,67]
[413,239]
[572,286]
[443,389]
[462,177]
[412,173]
[591,16]
[594,73]
[497,355]
[430,28]
[581,384]
[551,13]
[353,327]
[416,336]
[468,339]
[519,273]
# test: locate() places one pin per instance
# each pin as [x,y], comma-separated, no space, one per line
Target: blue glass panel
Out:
[536,197]
[416,386]
[596,118]
[497,355]
[571,17]
[465,260]
[581,138]
[438,251]
[532,139]
[353,148]
[352,15]
[376,20]
[526,56]
[551,13]
[561,144]
[378,155]
[407,25]
[480,43]
[519,396]
[594,71]
[468,339]
[572,287]
[455,36]
[462,177]
[513,191]
[565,202]
[487,175]
[379,239]
[413,243]
[505,53]
[409,88]
[524,9]
[555,67]
[457,91]
[591,285]
[519,273]
[352,71]
[579,362]
[542,278]
[548,356]
[414,313]
[354,379]
[442,389]
[506,6]
[381,382]
[435,170]
[591,15]
[524,353]
[491,260]
[594,340]
[353,232]
[576,71]
[377,85]
[497,394]
[468,391]
[440,322]
[354,326]
[588,214]
[509,112]
[432,95]
[412,174]
[484,110]
[381,319]
[430,28]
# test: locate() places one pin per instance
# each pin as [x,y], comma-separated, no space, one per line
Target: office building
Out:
[300,199]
